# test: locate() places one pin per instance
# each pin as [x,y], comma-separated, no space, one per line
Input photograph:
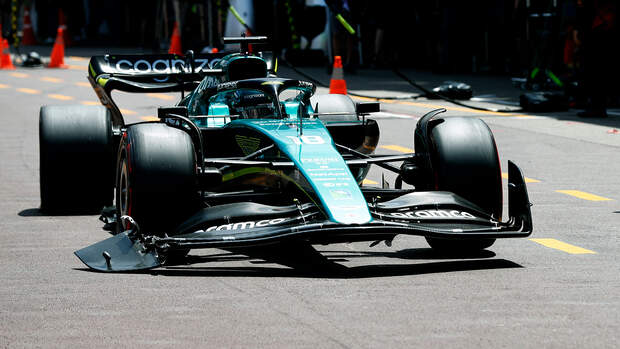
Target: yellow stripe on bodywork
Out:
[102,81]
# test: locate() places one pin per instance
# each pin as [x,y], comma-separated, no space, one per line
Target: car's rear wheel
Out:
[76,149]
[465,161]
[156,177]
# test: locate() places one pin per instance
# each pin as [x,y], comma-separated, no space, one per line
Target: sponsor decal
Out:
[305,84]
[272,83]
[227,85]
[247,144]
[319,161]
[161,66]
[341,194]
[433,214]
[244,225]
[324,168]
[351,208]
[330,179]
[304,139]
[328,174]
[252,96]
[337,184]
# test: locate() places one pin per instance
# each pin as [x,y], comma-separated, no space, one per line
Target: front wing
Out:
[429,214]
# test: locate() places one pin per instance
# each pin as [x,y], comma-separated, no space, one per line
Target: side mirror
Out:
[271,60]
[367,107]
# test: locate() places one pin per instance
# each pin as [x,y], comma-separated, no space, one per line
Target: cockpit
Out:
[265,98]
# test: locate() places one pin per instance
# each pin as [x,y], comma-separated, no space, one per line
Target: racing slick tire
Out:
[334,103]
[76,158]
[465,161]
[156,177]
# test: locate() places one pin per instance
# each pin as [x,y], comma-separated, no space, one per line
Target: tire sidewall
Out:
[159,197]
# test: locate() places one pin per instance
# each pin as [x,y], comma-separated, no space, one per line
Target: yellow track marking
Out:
[523,116]
[90,102]
[51,79]
[76,58]
[161,96]
[149,118]
[368,182]
[28,91]
[83,84]
[449,108]
[60,97]
[127,111]
[562,246]
[77,67]
[527,180]
[583,195]
[397,148]
[4,86]
[19,75]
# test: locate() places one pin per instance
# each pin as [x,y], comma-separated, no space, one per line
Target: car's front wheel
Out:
[156,177]
[465,161]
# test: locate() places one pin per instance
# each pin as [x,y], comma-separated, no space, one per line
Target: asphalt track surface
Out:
[558,289]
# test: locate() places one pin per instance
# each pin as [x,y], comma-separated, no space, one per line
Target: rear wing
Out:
[150,73]
[147,74]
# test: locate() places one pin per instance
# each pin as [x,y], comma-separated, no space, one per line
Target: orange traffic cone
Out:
[5,56]
[27,33]
[57,59]
[175,41]
[62,23]
[337,84]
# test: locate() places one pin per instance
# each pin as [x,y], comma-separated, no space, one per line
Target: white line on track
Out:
[390,115]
